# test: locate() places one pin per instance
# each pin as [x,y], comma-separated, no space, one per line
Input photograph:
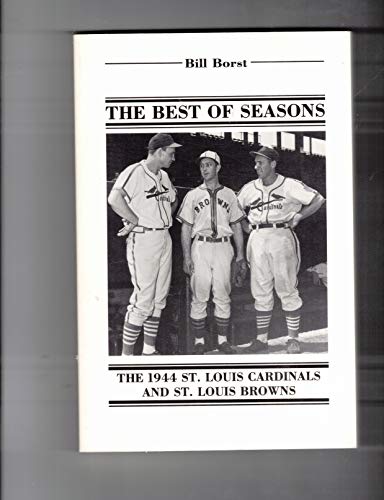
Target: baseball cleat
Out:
[293,346]
[126,355]
[257,347]
[226,348]
[199,349]
[154,353]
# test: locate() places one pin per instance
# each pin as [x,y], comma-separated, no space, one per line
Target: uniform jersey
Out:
[278,202]
[210,213]
[148,195]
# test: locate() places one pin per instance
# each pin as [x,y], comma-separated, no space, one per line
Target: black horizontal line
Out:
[221,98]
[244,123]
[266,125]
[141,62]
[301,61]
[225,99]
[219,402]
[227,366]
[213,404]
[181,62]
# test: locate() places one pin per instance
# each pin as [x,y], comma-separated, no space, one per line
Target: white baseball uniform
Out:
[149,245]
[273,252]
[211,213]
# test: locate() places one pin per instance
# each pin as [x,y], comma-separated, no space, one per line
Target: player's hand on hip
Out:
[188,267]
[124,231]
[295,220]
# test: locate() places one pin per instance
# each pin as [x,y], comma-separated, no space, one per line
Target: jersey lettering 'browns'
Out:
[210,212]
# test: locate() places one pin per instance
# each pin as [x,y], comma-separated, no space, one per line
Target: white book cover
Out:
[215,250]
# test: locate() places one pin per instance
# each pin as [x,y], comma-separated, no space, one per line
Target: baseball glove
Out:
[239,273]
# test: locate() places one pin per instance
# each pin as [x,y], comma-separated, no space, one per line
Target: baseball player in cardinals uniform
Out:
[145,198]
[210,216]
[275,205]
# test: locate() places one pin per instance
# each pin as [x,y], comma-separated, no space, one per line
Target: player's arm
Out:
[317,201]
[174,205]
[117,201]
[239,240]
[243,205]
[186,241]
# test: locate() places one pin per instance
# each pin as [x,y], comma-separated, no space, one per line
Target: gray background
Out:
[39,390]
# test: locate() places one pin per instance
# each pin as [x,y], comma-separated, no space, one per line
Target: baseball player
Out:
[145,198]
[210,215]
[275,205]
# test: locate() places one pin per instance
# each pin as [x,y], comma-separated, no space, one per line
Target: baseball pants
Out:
[274,258]
[149,257]
[212,270]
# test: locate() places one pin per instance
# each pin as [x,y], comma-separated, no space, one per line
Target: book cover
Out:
[215,241]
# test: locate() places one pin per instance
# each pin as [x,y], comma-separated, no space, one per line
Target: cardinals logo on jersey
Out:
[153,192]
[259,205]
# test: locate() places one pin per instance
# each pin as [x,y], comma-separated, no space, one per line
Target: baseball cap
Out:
[269,153]
[209,154]
[162,141]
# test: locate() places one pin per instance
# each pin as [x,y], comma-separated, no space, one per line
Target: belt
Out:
[274,225]
[208,239]
[142,229]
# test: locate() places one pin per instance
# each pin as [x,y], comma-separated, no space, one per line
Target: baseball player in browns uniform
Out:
[210,215]
[275,205]
[145,198]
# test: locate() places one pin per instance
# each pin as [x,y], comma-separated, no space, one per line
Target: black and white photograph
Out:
[217,243]
[217,276]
